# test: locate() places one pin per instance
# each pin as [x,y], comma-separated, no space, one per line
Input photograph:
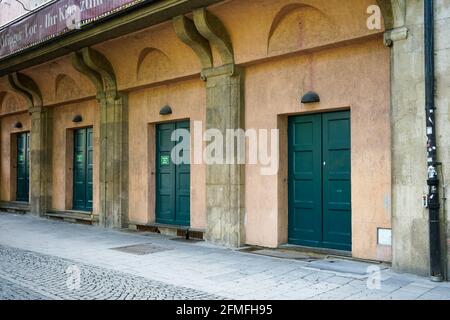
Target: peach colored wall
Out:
[299,45]
[7,130]
[365,91]
[187,100]
[268,28]
[63,150]
[60,83]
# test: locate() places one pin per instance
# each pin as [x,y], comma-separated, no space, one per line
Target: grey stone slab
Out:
[344,266]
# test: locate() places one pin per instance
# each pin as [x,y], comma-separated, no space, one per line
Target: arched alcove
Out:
[297,26]
[66,88]
[153,65]
[11,103]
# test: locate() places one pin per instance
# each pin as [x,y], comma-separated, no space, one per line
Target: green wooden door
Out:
[173,181]
[23,167]
[83,156]
[337,226]
[319,181]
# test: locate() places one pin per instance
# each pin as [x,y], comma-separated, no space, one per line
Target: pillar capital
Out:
[394,35]
[228,70]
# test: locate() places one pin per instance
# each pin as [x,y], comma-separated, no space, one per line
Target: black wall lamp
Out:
[165,111]
[78,118]
[18,125]
[311,97]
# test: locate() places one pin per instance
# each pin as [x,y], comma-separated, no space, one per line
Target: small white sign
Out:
[385,237]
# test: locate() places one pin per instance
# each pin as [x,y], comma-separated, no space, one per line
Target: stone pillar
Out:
[113,160]
[113,211]
[225,187]
[410,220]
[40,160]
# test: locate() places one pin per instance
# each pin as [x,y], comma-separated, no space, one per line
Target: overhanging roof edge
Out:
[121,24]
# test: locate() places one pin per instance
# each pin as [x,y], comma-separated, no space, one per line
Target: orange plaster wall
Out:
[187,100]
[272,39]
[267,28]
[63,150]
[354,77]
[7,130]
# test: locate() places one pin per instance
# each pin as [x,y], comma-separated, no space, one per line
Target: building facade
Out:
[87,120]
[13,9]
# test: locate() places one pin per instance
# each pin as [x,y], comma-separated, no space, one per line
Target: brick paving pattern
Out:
[26,275]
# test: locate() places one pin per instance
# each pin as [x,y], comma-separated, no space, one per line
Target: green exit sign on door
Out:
[79,158]
[165,160]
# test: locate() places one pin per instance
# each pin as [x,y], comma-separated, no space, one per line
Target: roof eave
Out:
[119,25]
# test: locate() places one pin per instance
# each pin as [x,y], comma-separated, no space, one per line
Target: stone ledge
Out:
[73,216]
[15,207]
[171,230]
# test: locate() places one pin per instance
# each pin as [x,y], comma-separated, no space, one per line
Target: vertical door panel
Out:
[83,154]
[79,170]
[89,169]
[183,182]
[23,170]
[337,181]
[165,179]
[305,178]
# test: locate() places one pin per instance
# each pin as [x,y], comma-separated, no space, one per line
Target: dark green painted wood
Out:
[23,167]
[172,180]
[319,181]
[305,179]
[83,155]
[337,220]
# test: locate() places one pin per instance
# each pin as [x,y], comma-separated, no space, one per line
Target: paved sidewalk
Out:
[160,268]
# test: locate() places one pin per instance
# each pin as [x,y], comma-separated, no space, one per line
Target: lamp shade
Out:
[311,97]
[165,111]
[78,118]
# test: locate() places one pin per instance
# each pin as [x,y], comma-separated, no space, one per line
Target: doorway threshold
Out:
[336,261]
[324,252]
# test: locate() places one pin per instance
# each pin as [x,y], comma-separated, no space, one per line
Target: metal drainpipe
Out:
[433,178]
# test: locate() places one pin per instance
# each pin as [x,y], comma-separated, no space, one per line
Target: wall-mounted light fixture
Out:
[78,118]
[18,125]
[165,111]
[311,97]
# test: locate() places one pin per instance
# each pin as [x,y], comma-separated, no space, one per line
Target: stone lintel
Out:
[229,70]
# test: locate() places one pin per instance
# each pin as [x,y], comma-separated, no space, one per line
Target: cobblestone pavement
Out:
[25,275]
[35,254]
